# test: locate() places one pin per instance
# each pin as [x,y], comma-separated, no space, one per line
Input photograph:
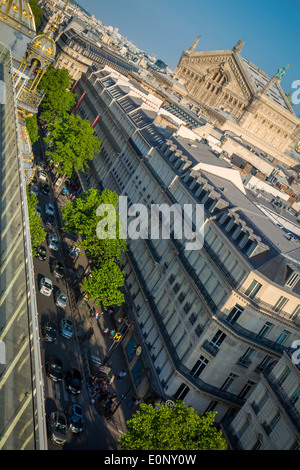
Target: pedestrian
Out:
[106,330]
[136,403]
[121,375]
[132,401]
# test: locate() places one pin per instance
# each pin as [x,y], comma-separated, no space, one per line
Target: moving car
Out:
[54,368]
[46,286]
[61,298]
[41,166]
[41,253]
[73,381]
[45,189]
[57,269]
[66,328]
[57,428]
[49,332]
[50,220]
[74,415]
[104,374]
[49,209]
[53,242]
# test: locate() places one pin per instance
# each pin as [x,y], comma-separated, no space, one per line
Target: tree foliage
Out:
[32,127]
[171,428]
[104,284]
[37,12]
[38,234]
[72,143]
[58,100]
[80,216]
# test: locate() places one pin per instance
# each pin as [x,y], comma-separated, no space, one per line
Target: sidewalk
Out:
[93,350]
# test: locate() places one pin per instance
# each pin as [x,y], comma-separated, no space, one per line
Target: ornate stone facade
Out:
[241,98]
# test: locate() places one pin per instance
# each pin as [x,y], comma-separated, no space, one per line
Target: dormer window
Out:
[292,279]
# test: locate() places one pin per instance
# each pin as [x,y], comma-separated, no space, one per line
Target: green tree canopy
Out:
[58,100]
[171,428]
[38,234]
[32,127]
[72,143]
[104,284]
[37,12]
[80,216]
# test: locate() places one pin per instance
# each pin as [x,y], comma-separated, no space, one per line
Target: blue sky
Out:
[164,28]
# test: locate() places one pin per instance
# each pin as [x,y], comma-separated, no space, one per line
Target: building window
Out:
[265,329]
[182,392]
[295,395]
[292,280]
[243,428]
[264,363]
[245,361]
[262,401]
[295,313]
[218,338]
[283,376]
[229,381]
[274,421]
[282,337]
[211,406]
[235,314]
[281,302]
[199,366]
[253,289]
[246,389]
[295,445]
[257,445]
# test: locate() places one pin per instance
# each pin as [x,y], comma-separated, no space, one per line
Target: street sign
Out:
[117,336]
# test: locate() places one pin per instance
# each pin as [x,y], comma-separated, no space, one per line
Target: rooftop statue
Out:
[281,72]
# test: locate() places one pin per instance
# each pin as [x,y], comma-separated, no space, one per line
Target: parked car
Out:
[45,189]
[58,269]
[74,415]
[34,189]
[66,328]
[43,176]
[57,428]
[53,242]
[74,252]
[77,274]
[49,332]
[49,209]
[54,368]
[46,286]
[41,253]
[61,298]
[73,381]
[38,208]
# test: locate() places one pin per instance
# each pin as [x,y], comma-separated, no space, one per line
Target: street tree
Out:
[103,285]
[58,99]
[37,12]
[38,234]
[81,216]
[72,144]
[171,428]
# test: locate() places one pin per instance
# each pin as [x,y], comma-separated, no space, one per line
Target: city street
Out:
[96,434]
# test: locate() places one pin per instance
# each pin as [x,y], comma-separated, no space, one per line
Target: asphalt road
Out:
[96,434]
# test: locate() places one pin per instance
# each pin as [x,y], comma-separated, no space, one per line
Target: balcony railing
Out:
[243,362]
[31,99]
[211,348]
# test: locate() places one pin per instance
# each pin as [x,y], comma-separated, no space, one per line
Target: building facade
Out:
[240,97]
[209,321]
[270,418]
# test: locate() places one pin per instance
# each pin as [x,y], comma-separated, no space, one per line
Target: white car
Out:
[43,176]
[49,209]
[53,242]
[61,299]
[46,286]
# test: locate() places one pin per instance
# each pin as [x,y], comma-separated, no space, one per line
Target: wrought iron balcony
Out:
[244,362]
[211,348]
